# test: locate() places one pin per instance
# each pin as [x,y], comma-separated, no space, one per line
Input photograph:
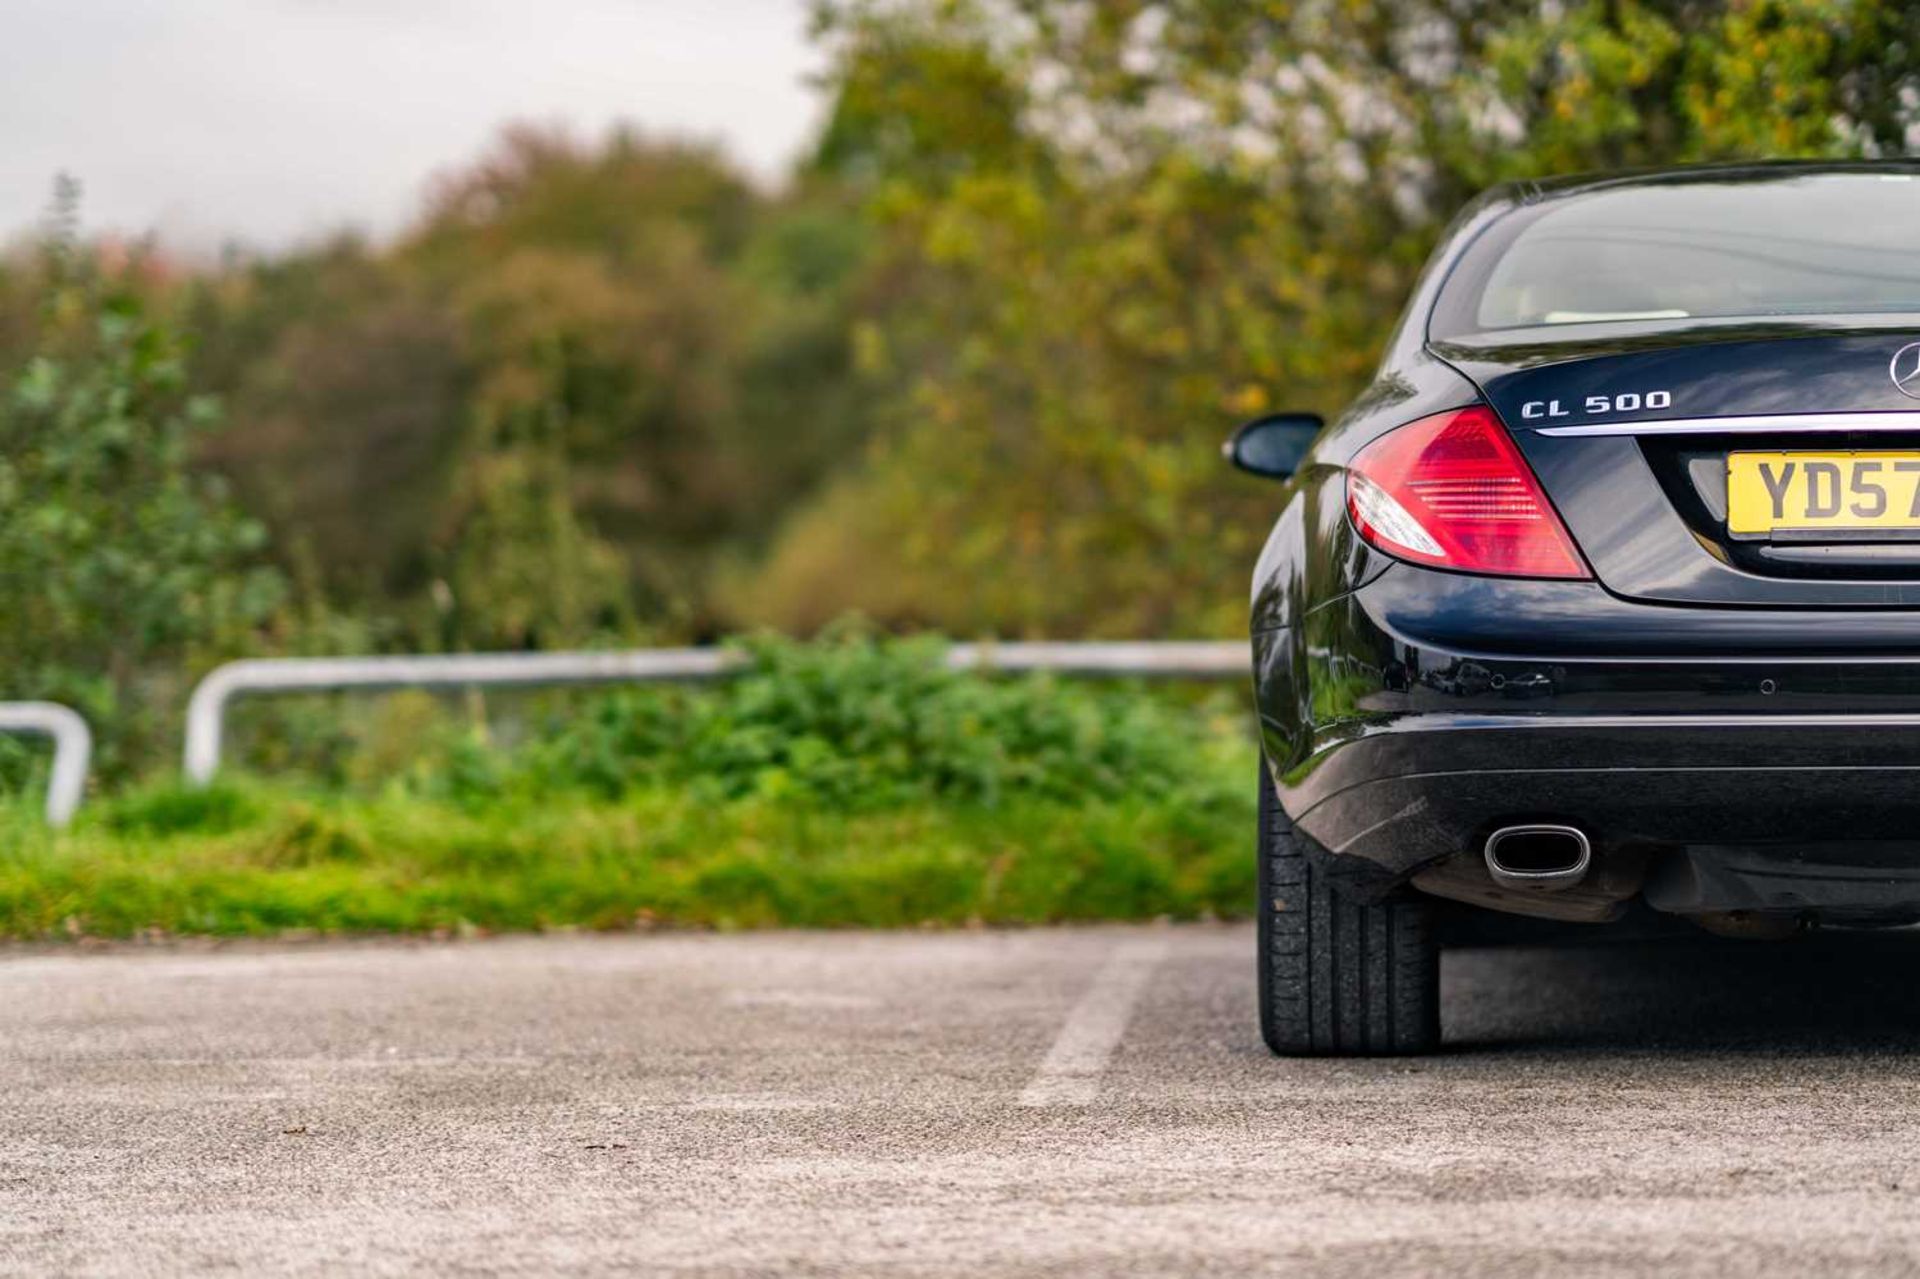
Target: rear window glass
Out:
[1820,244]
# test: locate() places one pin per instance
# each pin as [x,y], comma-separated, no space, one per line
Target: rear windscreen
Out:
[1816,244]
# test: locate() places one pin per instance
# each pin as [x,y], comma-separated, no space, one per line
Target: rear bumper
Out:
[1411,718]
[1401,795]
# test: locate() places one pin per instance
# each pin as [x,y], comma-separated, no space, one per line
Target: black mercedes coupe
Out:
[1604,598]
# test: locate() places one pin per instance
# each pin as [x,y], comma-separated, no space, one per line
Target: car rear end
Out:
[1646,623]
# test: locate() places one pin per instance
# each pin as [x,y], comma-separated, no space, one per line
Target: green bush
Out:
[856,721]
[168,808]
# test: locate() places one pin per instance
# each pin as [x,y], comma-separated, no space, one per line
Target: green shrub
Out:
[174,808]
[860,722]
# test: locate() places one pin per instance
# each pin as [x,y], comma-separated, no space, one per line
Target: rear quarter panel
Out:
[1313,559]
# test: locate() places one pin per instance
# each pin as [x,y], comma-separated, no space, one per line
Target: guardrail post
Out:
[72,751]
[206,721]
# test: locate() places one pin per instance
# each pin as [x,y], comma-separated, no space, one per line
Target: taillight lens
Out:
[1452,490]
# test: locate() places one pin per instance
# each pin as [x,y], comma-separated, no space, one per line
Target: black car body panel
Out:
[1742,716]
[1618,717]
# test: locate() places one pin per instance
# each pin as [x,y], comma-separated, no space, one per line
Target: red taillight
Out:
[1452,490]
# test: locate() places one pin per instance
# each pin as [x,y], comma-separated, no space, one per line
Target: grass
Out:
[251,861]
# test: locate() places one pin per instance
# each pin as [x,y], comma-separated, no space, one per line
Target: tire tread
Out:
[1338,977]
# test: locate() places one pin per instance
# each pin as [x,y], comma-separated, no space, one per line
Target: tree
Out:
[120,565]
[588,381]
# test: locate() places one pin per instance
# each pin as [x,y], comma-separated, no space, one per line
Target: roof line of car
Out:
[1526,191]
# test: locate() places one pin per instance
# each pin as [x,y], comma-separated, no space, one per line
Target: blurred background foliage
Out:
[965,370]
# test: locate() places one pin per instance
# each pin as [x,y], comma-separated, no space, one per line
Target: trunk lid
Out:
[1630,433]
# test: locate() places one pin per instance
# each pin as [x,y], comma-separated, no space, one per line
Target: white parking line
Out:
[1070,1075]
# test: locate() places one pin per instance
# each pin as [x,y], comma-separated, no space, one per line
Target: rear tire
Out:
[1337,978]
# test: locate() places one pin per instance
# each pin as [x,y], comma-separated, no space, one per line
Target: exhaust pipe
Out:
[1543,859]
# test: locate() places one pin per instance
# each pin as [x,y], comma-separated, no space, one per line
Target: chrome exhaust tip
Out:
[1543,859]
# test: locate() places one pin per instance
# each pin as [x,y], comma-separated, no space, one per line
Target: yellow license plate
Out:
[1822,492]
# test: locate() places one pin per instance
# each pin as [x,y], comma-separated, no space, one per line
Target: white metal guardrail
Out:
[207,709]
[72,750]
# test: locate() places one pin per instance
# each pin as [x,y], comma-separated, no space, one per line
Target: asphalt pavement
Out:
[996,1103]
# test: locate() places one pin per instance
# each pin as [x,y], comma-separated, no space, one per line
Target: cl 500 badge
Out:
[1595,405]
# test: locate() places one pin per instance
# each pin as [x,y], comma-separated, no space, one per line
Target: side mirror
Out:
[1273,446]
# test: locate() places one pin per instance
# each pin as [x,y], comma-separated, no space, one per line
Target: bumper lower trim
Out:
[1396,797]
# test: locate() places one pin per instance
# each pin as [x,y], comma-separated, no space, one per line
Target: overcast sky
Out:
[270,121]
